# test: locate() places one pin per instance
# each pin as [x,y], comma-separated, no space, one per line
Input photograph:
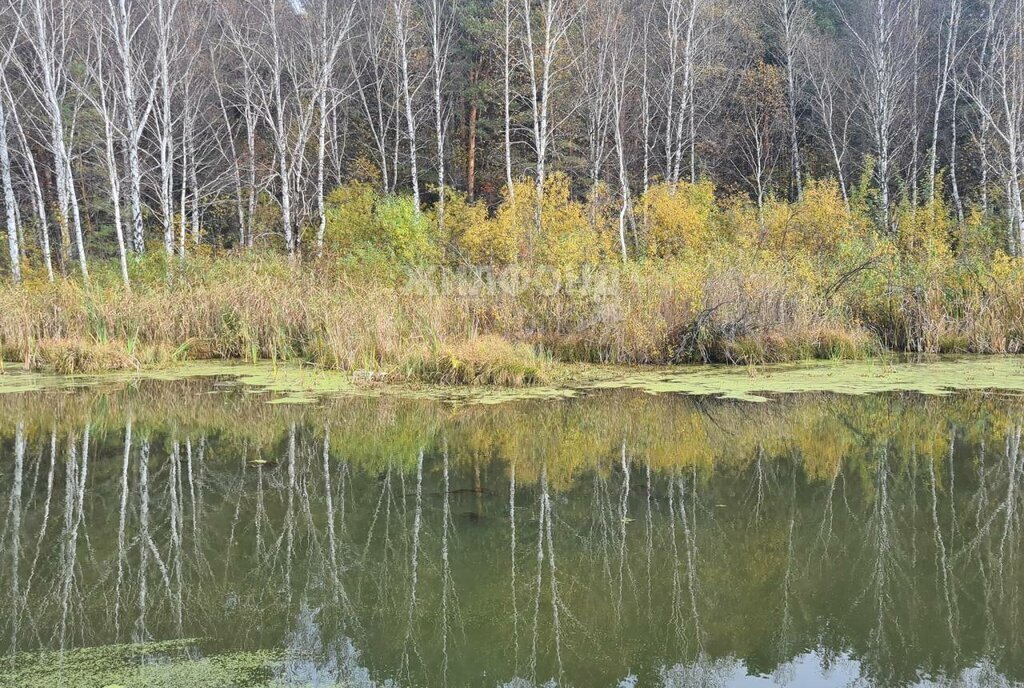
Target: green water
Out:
[187,533]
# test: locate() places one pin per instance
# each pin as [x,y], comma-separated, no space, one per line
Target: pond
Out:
[188,533]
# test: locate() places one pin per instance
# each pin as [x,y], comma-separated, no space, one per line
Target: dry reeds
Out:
[457,329]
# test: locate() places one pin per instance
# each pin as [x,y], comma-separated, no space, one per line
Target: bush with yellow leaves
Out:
[814,225]
[501,240]
[350,216]
[679,218]
[463,227]
[567,237]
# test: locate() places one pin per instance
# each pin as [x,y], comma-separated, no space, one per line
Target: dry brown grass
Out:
[486,360]
[456,329]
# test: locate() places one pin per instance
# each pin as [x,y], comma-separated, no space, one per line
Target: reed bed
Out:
[465,328]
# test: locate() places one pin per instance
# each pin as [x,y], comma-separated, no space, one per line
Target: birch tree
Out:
[193,91]
[6,177]
[686,27]
[31,172]
[541,56]
[403,38]
[45,26]
[97,90]
[244,94]
[268,43]
[167,48]
[946,67]
[621,73]
[125,19]
[833,105]
[790,19]
[598,35]
[230,152]
[1002,78]
[759,109]
[441,17]
[376,85]
[980,88]
[507,16]
[137,117]
[884,43]
[334,26]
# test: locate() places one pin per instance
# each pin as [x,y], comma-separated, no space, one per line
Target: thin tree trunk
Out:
[9,199]
[321,161]
[507,100]
[165,15]
[954,182]
[441,22]
[135,122]
[115,201]
[108,112]
[945,71]
[471,152]
[410,119]
[37,191]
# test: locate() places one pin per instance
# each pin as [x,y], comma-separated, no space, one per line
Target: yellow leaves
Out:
[568,237]
[462,223]
[364,171]
[405,233]
[500,240]
[1005,267]
[777,282]
[815,224]
[360,219]
[822,443]
[349,212]
[761,88]
[924,233]
[679,218]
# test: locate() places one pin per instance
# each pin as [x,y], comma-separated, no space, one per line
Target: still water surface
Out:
[189,534]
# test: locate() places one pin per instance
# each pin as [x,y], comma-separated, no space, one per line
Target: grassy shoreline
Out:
[446,327]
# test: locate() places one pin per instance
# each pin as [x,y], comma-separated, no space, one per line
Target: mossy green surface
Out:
[937,376]
[286,384]
[150,665]
[293,384]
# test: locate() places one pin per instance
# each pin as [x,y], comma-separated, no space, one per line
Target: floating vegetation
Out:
[168,664]
[936,376]
[294,384]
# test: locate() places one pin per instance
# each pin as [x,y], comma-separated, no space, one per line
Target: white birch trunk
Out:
[10,202]
[442,21]
[507,96]
[401,9]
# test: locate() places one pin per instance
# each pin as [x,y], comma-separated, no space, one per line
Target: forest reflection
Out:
[618,539]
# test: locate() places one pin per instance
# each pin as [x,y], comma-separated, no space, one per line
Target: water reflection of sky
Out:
[807,669]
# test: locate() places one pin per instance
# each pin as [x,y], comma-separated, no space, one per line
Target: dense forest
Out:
[860,156]
[230,122]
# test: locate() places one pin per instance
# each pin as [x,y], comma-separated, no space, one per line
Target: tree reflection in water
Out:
[619,539]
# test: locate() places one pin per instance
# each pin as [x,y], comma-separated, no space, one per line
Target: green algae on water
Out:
[934,377]
[284,383]
[169,664]
[296,384]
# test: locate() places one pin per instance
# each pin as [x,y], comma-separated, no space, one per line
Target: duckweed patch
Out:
[169,664]
[938,376]
[294,384]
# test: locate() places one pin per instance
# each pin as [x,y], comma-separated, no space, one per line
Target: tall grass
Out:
[457,328]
